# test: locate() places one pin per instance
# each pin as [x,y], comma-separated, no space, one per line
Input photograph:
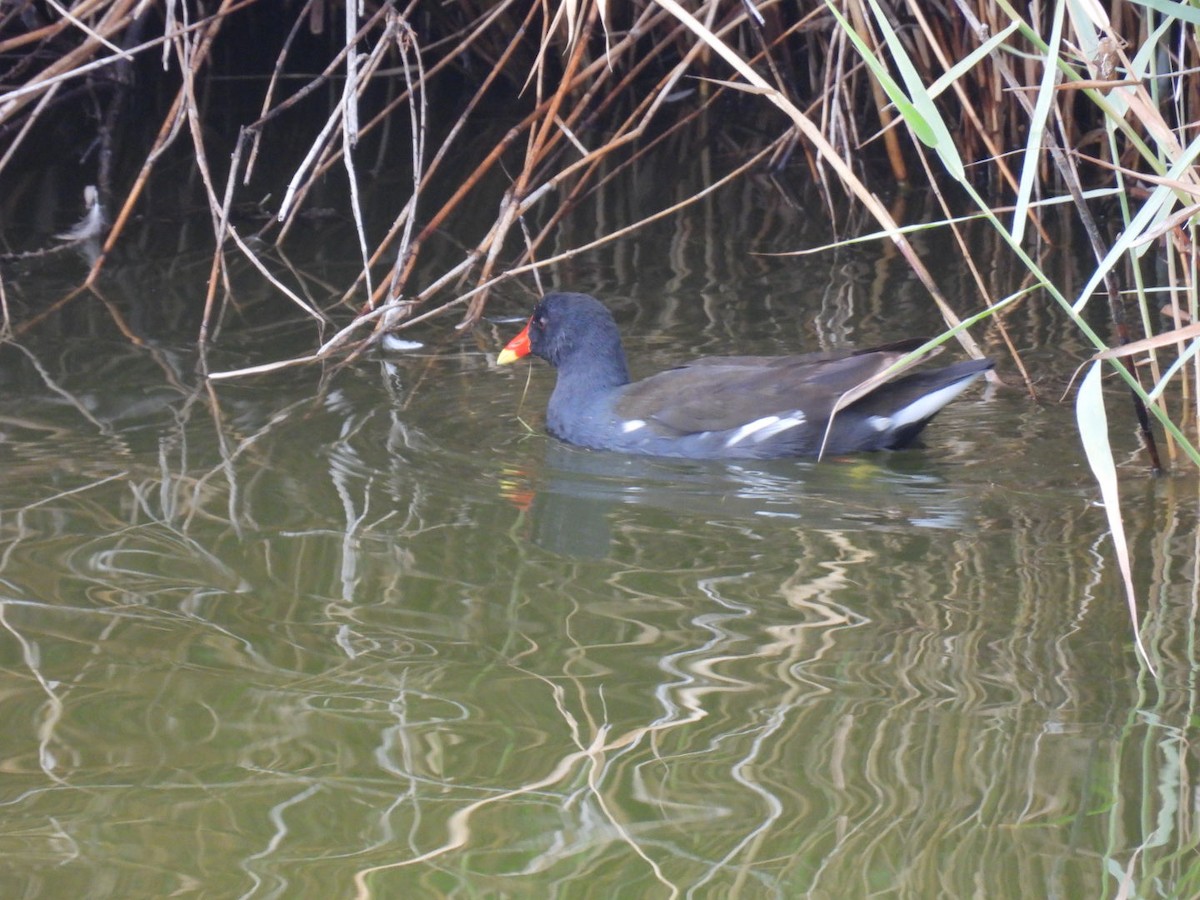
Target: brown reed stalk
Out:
[596,79]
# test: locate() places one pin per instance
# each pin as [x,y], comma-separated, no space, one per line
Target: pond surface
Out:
[371,632]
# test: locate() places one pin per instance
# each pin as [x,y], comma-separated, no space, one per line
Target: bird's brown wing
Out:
[723,392]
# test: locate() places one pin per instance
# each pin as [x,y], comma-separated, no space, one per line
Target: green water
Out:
[370,632]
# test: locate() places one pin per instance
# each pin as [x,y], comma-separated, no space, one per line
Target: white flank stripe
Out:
[924,407]
[631,425]
[749,428]
[789,421]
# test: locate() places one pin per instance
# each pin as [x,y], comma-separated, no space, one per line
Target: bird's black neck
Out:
[587,372]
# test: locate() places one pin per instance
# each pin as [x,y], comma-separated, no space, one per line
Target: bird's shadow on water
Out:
[577,491]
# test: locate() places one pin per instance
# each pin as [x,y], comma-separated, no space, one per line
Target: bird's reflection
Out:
[572,499]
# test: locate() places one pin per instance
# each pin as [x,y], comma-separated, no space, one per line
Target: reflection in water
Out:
[299,636]
[580,488]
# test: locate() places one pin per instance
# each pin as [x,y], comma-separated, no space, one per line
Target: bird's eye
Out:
[541,322]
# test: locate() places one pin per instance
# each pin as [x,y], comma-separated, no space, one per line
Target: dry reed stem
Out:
[273,83]
[977,276]
[115,20]
[839,165]
[6,328]
[339,342]
[191,59]
[29,123]
[407,252]
[541,146]
[9,106]
[882,104]
[322,153]
[630,131]
[541,142]
[994,153]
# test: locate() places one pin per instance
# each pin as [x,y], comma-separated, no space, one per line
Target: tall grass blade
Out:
[1093,431]
[920,126]
[1037,126]
[1175,10]
[943,143]
[968,62]
[1160,204]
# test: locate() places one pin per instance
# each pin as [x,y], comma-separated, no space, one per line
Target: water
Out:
[371,632]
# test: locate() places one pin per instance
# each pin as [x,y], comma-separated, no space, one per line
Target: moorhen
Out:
[725,407]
